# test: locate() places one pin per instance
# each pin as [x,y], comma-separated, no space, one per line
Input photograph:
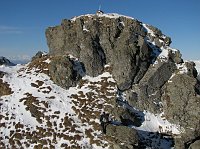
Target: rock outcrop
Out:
[99,40]
[124,137]
[62,72]
[181,106]
[153,76]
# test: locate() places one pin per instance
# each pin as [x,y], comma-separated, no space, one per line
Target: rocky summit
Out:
[101,63]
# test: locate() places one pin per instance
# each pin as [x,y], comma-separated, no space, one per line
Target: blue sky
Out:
[23,22]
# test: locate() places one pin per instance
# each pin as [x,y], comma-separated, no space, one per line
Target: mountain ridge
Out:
[96,63]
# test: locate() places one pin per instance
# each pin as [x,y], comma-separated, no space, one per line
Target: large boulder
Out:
[181,102]
[62,72]
[181,105]
[124,137]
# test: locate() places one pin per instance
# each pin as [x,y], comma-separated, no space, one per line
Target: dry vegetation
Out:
[4,88]
[40,65]
[89,106]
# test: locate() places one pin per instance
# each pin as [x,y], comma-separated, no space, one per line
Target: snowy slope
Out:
[40,113]
[39,108]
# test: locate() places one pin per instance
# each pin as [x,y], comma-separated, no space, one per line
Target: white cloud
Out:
[10,30]
[20,57]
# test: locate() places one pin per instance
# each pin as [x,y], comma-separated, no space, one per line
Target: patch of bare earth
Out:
[4,88]
[40,65]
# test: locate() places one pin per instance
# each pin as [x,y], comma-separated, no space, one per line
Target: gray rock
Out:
[167,41]
[125,116]
[156,31]
[158,43]
[195,145]
[2,74]
[148,92]
[97,41]
[122,43]
[176,57]
[181,106]
[181,103]
[62,72]
[125,137]
[198,77]
[192,72]
[39,54]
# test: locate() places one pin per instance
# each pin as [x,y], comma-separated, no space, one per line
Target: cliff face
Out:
[97,40]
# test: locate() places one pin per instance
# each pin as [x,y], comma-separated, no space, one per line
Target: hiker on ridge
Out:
[104,120]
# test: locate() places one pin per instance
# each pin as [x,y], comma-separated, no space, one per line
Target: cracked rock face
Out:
[181,106]
[97,41]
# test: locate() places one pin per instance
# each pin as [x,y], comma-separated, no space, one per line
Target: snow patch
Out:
[108,15]
[149,30]
[182,68]
[197,63]
[85,29]
[158,123]
[47,61]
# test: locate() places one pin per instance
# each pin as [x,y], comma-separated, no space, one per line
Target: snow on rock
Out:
[155,131]
[107,15]
[152,122]
[85,29]
[148,30]
[47,61]
[162,52]
[197,66]
[182,68]
[158,123]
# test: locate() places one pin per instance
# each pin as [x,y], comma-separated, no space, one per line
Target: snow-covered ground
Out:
[38,104]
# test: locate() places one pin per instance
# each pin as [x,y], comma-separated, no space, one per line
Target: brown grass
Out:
[40,65]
